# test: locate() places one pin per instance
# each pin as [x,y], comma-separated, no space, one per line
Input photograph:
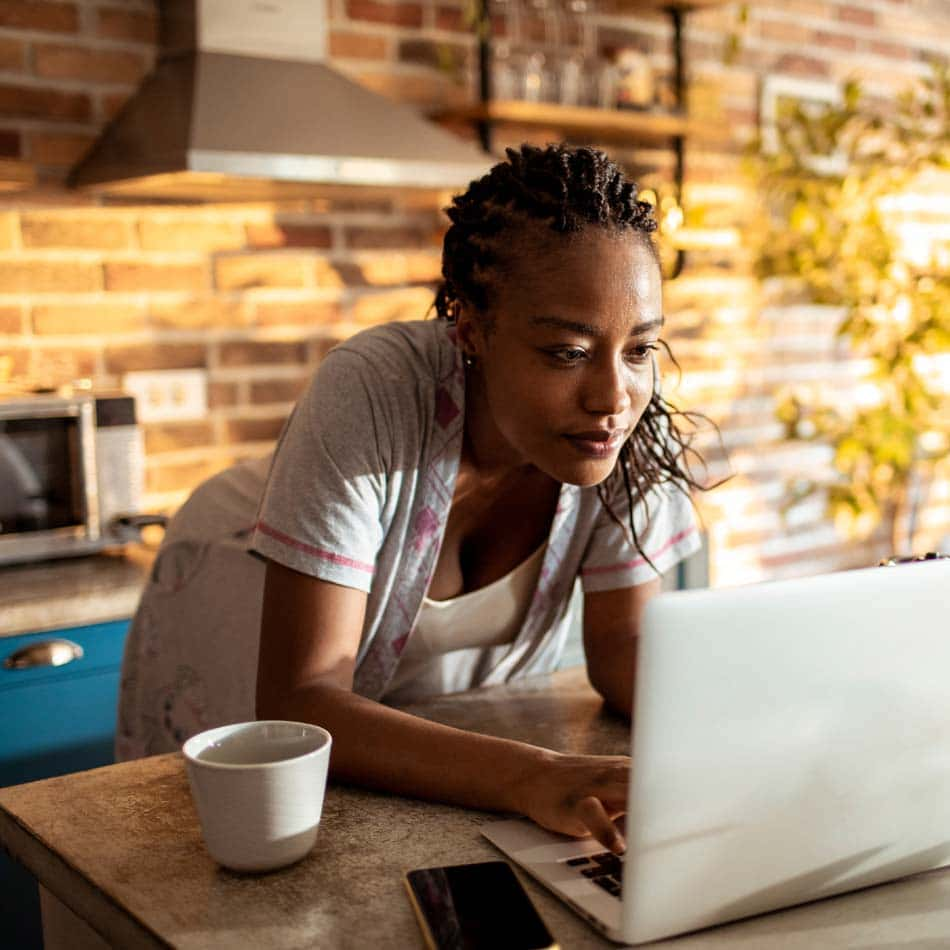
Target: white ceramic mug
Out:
[258,788]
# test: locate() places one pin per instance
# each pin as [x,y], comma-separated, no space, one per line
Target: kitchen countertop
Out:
[121,847]
[71,592]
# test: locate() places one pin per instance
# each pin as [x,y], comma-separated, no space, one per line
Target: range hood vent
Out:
[213,124]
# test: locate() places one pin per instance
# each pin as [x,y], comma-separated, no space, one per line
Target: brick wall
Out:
[741,342]
[255,294]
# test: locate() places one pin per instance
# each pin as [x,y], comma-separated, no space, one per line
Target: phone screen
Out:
[476,907]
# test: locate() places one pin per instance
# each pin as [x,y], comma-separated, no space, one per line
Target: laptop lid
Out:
[791,740]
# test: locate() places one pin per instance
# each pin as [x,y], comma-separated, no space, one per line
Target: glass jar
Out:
[506,65]
[636,84]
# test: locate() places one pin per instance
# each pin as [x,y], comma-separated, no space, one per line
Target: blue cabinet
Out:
[59,719]
[53,720]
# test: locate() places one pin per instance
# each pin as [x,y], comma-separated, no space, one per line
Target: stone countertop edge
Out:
[108,919]
[55,827]
[72,592]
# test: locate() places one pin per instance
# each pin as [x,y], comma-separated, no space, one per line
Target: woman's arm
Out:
[611,626]
[310,633]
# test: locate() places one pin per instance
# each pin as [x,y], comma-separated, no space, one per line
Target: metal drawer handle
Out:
[46,653]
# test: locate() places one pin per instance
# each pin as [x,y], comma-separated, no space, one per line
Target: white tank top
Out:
[487,617]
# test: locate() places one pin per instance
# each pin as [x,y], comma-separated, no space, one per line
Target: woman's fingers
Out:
[612,791]
[592,812]
[580,796]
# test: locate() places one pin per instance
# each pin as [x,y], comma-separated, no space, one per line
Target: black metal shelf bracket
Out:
[679,142]
[484,71]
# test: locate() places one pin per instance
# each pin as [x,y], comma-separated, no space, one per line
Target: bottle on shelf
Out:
[540,70]
[635,80]
[574,42]
[606,77]
[506,69]
[547,52]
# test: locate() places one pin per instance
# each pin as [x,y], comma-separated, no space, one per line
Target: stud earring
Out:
[468,361]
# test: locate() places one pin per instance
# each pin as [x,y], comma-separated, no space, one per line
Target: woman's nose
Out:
[608,390]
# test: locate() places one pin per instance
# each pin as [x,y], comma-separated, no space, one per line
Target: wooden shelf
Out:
[599,124]
[668,129]
[638,6]
[16,175]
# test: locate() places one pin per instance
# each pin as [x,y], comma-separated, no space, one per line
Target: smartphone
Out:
[476,907]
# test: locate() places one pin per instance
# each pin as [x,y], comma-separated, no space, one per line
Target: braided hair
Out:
[566,189]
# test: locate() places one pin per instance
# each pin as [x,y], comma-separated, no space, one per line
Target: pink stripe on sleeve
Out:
[638,561]
[340,559]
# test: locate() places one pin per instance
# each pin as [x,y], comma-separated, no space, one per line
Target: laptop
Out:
[791,741]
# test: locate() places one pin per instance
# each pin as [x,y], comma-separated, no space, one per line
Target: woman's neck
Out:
[486,454]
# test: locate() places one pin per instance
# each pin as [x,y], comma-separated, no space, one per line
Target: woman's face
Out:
[565,362]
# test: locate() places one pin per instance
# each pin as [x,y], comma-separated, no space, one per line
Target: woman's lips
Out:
[597,444]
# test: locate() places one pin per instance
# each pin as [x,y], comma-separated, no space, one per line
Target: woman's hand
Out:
[578,795]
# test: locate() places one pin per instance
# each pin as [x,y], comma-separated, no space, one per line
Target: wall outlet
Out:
[168,395]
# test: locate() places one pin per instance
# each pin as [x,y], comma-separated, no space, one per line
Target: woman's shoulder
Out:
[393,379]
[403,350]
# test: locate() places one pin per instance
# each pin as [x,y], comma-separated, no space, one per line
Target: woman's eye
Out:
[640,354]
[568,355]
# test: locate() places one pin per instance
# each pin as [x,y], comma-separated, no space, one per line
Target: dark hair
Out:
[568,189]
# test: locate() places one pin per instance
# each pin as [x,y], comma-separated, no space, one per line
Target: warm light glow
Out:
[920,217]
[921,244]
[700,238]
[867,395]
[910,202]
[935,369]
[936,443]
[902,310]
[715,193]
[854,525]
[672,219]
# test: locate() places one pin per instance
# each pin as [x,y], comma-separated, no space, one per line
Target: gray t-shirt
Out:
[358,493]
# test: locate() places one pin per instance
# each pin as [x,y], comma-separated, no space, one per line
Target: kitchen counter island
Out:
[72,592]
[121,848]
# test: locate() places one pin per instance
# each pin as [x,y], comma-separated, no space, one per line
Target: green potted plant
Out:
[833,182]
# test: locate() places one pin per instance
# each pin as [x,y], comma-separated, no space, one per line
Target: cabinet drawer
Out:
[101,645]
[60,719]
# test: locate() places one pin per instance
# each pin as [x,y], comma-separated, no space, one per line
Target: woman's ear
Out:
[469,332]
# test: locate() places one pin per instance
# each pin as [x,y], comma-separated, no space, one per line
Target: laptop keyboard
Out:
[605,869]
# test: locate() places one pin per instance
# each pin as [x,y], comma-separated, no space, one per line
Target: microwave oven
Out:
[71,475]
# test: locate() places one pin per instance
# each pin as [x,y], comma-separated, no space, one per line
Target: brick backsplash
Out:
[255,294]
[46,17]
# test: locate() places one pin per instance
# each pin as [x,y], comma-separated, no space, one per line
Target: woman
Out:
[430,504]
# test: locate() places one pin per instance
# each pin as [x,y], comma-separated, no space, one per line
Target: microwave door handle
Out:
[139,520]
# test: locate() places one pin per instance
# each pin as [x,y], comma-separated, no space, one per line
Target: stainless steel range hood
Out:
[227,124]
